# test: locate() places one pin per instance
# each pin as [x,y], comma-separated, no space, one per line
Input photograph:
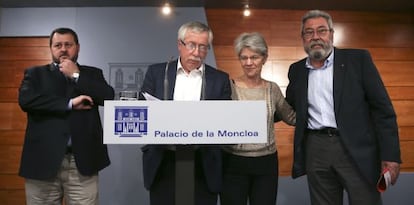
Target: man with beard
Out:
[346,133]
[63,147]
[187,78]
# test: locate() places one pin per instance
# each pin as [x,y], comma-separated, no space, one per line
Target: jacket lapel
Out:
[303,89]
[207,83]
[172,73]
[59,79]
[338,78]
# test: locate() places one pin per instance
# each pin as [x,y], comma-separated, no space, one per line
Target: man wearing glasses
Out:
[186,78]
[346,132]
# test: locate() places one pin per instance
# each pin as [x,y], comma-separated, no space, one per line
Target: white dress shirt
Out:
[188,85]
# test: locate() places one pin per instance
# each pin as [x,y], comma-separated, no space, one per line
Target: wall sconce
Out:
[246,11]
[166,9]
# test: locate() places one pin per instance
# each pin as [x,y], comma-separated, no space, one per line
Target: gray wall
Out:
[140,36]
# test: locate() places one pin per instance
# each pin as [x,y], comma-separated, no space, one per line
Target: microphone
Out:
[166,78]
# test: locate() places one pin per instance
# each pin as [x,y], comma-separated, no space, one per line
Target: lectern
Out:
[186,125]
[184,175]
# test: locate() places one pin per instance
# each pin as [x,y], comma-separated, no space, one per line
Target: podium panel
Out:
[185,122]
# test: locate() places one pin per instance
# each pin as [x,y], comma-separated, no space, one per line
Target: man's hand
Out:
[68,67]
[82,102]
[394,168]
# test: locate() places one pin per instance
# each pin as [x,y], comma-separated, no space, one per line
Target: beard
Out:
[319,53]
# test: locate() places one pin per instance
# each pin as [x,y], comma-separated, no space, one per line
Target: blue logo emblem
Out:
[131,121]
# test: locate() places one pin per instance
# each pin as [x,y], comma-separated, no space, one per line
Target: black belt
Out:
[325,131]
[68,150]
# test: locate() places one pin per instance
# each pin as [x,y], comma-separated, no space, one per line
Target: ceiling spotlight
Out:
[166,9]
[246,11]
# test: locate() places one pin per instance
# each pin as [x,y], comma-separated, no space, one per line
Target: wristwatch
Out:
[75,75]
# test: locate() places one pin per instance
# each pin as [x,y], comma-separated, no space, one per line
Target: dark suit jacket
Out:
[364,114]
[44,95]
[217,87]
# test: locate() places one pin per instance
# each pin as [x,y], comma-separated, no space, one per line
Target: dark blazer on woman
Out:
[44,95]
[217,87]
[364,114]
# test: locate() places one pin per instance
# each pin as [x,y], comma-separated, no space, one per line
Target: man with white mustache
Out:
[346,131]
[185,78]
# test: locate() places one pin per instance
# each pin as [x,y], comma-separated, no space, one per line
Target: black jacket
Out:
[44,95]
[217,87]
[364,114]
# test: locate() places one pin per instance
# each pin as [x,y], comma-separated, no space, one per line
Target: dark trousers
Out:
[163,189]
[249,179]
[330,171]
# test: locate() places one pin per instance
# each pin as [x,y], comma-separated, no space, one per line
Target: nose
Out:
[249,61]
[196,51]
[63,48]
[315,35]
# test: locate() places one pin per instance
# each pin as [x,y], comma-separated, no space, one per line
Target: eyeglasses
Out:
[252,58]
[67,45]
[192,46]
[322,32]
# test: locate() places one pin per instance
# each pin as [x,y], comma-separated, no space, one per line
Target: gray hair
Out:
[196,27]
[253,41]
[315,14]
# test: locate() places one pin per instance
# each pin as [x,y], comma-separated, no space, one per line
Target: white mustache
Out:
[195,58]
[313,43]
